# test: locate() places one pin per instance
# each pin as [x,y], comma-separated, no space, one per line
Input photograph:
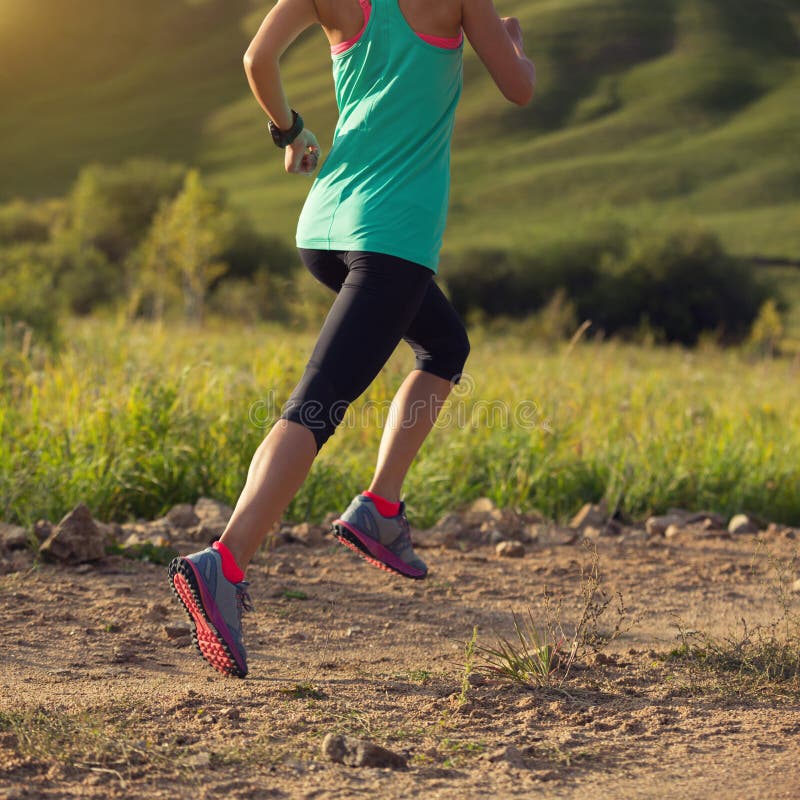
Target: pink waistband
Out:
[445,42]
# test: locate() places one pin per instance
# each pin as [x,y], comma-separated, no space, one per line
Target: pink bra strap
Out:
[445,42]
[336,49]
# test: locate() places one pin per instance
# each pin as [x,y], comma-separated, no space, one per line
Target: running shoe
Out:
[215,607]
[385,542]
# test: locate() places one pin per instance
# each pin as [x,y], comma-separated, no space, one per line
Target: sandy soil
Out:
[96,700]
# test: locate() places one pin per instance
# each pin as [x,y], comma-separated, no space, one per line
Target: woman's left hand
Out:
[302,154]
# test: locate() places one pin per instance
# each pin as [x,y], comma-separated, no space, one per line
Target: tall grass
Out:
[133,418]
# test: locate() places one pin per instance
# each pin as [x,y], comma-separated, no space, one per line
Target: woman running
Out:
[371,230]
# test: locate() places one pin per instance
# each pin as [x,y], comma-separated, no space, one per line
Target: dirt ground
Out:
[96,701]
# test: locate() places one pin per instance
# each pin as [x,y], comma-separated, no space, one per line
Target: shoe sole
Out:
[206,638]
[373,552]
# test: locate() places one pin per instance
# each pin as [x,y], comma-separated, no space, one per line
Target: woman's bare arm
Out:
[498,43]
[287,20]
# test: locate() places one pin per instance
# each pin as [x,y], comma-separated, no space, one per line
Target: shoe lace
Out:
[243,600]
[405,532]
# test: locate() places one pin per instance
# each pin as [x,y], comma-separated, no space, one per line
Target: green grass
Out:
[655,113]
[131,418]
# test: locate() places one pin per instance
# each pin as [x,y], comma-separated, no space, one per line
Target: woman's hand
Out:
[302,154]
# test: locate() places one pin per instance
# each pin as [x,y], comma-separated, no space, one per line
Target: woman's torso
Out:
[385,184]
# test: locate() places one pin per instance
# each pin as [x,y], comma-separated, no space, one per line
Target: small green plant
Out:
[304,691]
[294,594]
[470,648]
[533,658]
[419,675]
[542,653]
[765,653]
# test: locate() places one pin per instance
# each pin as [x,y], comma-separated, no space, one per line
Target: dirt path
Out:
[96,701]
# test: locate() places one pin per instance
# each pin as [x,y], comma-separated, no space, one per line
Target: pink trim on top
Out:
[445,42]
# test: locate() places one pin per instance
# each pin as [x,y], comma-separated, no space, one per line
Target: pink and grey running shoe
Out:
[385,542]
[215,607]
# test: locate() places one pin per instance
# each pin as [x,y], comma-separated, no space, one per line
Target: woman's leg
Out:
[284,458]
[374,307]
[440,342]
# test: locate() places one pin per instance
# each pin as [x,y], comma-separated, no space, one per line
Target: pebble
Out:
[510,549]
[741,523]
[360,753]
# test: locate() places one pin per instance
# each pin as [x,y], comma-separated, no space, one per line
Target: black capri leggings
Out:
[380,300]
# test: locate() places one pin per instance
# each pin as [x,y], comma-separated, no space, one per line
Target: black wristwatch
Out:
[284,138]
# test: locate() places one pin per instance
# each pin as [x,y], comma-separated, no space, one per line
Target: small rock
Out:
[76,539]
[741,524]
[42,529]
[213,517]
[112,531]
[510,549]
[177,631]
[476,679]
[360,753]
[283,568]
[657,526]
[182,516]
[708,519]
[309,535]
[510,755]
[591,515]
[199,760]
[13,537]
[155,611]
[495,537]
[483,505]
[591,533]
[230,713]
[796,586]
[353,631]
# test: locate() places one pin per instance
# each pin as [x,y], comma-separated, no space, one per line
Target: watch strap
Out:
[285,138]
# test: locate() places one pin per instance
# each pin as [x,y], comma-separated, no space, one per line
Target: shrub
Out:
[27,296]
[681,284]
[675,285]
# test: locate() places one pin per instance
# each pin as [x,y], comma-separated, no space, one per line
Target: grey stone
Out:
[309,535]
[509,754]
[76,539]
[177,631]
[209,510]
[591,515]
[42,529]
[13,537]
[510,549]
[741,523]
[657,526]
[360,753]
[708,519]
[182,516]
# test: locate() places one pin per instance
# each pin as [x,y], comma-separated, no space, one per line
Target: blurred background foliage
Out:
[652,187]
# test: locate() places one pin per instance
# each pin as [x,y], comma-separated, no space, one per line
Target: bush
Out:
[679,284]
[676,285]
[28,299]
[111,208]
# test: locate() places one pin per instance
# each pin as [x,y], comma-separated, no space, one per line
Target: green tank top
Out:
[385,185]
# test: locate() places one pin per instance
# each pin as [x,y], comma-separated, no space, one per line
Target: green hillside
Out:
[656,112]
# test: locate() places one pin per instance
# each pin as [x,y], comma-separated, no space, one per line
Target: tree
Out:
[183,249]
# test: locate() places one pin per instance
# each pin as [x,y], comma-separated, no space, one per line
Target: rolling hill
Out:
[655,113]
